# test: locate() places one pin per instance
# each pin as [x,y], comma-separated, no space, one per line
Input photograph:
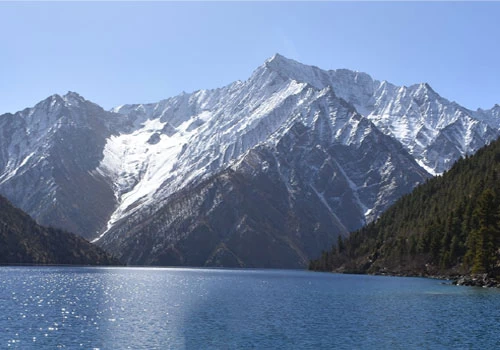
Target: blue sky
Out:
[134,52]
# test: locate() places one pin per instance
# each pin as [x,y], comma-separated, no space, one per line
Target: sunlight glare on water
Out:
[175,308]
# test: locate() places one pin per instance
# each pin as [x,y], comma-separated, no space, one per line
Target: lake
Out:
[182,308]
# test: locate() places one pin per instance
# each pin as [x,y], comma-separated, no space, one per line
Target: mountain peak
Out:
[282,64]
[72,97]
[424,89]
[73,94]
[290,69]
[427,86]
[56,101]
[276,58]
[339,79]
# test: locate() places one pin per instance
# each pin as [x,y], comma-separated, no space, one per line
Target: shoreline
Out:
[476,281]
[468,280]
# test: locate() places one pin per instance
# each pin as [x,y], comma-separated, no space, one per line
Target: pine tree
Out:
[484,241]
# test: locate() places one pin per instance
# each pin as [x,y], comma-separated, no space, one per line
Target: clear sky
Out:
[114,53]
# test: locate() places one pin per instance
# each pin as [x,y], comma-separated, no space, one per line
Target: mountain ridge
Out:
[105,171]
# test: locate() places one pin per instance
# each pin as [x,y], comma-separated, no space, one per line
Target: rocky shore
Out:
[476,281]
[455,278]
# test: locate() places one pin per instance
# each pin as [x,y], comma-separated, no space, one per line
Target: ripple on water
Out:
[128,308]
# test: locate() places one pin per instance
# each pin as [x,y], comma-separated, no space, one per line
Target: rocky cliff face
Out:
[278,204]
[288,160]
[48,155]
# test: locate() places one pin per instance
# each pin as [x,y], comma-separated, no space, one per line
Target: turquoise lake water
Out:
[156,308]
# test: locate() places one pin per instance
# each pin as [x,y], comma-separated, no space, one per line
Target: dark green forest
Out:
[447,226]
[23,241]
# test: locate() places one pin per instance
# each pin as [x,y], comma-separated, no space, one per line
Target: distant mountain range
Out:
[261,173]
[23,241]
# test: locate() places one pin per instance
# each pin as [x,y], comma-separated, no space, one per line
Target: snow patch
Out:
[427,168]
[10,174]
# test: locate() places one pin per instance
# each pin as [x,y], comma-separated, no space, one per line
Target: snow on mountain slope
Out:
[489,116]
[319,172]
[47,154]
[414,115]
[341,144]
[417,116]
[188,138]
[199,134]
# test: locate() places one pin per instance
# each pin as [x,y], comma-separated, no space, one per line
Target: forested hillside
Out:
[448,225]
[23,241]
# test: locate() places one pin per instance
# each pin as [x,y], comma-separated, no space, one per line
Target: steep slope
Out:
[416,116]
[277,205]
[345,164]
[48,155]
[490,116]
[448,225]
[342,143]
[434,130]
[22,241]
[191,137]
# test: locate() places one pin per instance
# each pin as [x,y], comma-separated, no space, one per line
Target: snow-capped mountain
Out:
[434,130]
[48,155]
[310,168]
[265,172]
[489,116]
[416,116]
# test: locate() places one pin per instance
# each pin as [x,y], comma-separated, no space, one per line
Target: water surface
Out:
[154,308]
